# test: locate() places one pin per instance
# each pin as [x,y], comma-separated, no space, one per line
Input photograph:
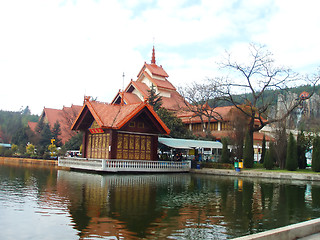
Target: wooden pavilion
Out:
[120,137]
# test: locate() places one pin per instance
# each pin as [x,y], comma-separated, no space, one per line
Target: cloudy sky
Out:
[54,52]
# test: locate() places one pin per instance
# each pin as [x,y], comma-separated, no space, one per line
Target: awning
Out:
[188,143]
[6,145]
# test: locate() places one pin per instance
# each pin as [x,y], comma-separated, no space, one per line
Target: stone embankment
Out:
[260,174]
[308,230]
[30,162]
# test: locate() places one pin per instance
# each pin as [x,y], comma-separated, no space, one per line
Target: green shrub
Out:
[8,153]
[216,165]
[269,158]
[225,151]
[316,154]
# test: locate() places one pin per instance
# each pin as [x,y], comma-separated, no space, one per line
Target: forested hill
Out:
[272,95]
[12,122]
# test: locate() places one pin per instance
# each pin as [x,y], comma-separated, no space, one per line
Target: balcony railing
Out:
[117,165]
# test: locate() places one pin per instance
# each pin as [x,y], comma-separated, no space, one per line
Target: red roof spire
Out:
[153,58]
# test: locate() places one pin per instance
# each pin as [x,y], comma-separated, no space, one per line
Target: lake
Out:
[45,203]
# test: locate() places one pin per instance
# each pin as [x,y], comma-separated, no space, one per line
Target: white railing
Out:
[117,165]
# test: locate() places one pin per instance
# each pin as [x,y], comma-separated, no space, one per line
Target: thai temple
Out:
[151,75]
[128,127]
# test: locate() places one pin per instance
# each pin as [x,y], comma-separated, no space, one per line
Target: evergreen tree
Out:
[40,125]
[75,142]
[56,132]
[225,151]
[269,157]
[45,136]
[20,136]
[316,154]
[26,111]
[154,99]
[303,145]
[177,128]
[263,150]
[248,152]
[291,161]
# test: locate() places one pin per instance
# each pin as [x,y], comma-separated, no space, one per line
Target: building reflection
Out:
[181,205]
[116,205]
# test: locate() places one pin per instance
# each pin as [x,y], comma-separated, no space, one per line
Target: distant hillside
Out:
[271,95]
[11,122]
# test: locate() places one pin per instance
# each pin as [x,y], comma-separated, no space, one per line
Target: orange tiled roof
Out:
[142,88]
[258,136]
[130,98]
[160,83]
[154,69]
[115,116]
[189,117]
[65,117]
[157,70]
[52,115]
[174,103]
[32,126]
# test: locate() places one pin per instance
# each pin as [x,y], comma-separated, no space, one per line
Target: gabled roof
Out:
[153,67]
[160,83]
[156,70]
[115,116]
[142,88]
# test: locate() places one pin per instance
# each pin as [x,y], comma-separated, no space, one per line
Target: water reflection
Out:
[77,205]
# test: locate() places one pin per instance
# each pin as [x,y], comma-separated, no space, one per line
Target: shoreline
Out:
[30,162]
[258,174]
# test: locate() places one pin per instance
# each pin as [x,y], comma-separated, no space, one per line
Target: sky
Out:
[53,53]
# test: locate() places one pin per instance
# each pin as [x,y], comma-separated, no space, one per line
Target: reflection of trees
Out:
[316,197]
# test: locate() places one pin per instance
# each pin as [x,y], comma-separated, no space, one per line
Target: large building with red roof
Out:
[154,75]
[64,116]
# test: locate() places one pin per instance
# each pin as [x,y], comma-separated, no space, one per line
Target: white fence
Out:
[117,165]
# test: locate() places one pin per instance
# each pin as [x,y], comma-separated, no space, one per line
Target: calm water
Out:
[49,204]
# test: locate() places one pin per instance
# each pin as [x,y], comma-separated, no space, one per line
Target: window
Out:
[132,124]
[140,124]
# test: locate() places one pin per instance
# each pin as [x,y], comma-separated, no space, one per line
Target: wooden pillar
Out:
[113,144]
[84,144]
[154,148]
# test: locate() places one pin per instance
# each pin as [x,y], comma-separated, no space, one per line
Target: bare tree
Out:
[254,78]
[202,99]
[239,123]
[281,144]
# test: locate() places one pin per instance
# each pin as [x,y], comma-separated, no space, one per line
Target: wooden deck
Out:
[117,165]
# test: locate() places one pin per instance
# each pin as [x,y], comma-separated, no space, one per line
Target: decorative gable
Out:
[95,128]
